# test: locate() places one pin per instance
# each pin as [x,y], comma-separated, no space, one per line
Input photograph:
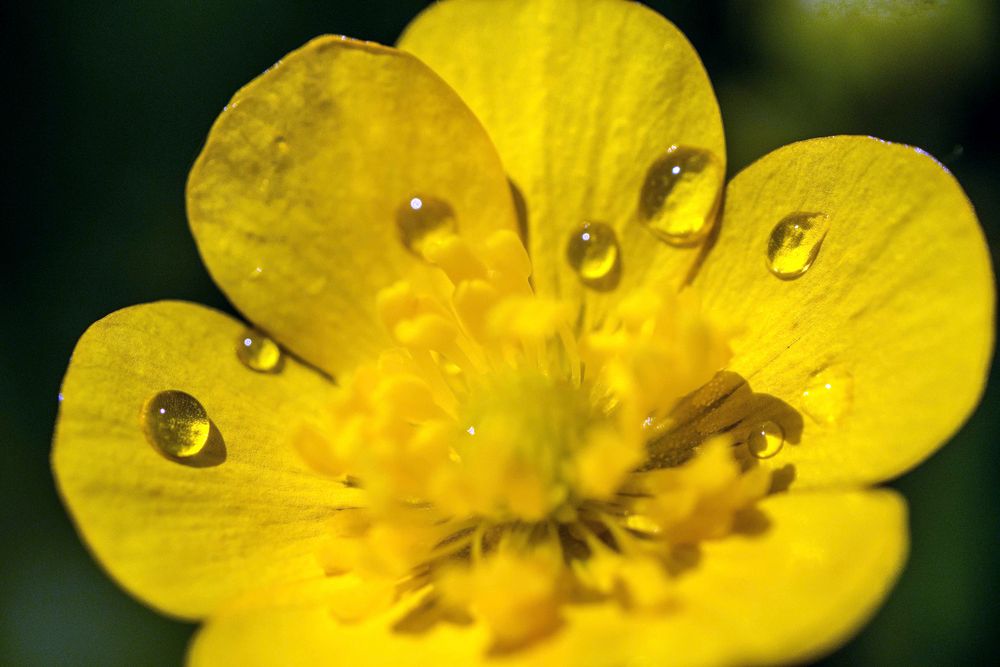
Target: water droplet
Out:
[281,146]
[258,352]
[420,218]
[594,254]
[829,395]
[680,196]
[766,440]
[256,273]
[794,244]
[176,423]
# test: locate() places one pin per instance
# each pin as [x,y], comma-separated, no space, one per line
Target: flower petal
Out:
[896,312]
[792,590]
[294,199]
[581,98]
[186,535]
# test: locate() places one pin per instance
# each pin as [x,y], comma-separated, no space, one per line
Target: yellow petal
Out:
[294,199]
[187,534]
[781,595]
[581,98]
[895,314]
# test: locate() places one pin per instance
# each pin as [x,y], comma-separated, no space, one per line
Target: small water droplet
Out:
[60,397]
[766,440]
[176,423]
[680,195]
[595,255]
[258,352]
[281,146]
[420,218]
[829,395]
[256,272]
[794,244]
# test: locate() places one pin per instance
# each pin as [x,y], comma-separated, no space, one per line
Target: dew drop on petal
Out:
[766,440]
[829,395]
[794,244]
[258,352]
[593,252]
[680,195]
[281,146]
[176,423]
[420,218]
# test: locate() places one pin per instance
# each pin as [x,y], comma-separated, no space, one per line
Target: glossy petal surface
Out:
[186,535]
[294,199]
[898,303]
[758,598]
[581,98]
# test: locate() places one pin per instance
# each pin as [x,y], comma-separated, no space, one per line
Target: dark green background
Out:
[113,100]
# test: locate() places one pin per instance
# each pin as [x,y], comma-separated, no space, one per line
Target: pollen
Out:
[502,448]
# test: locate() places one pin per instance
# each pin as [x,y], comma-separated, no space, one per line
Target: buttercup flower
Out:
[536,387]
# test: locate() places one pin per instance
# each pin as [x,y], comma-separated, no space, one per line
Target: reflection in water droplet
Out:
[794,244]
[766,440]
[829,395]
[256,272]
[258,352]
[680,196]
[595,255]
[420,218]
[176,423]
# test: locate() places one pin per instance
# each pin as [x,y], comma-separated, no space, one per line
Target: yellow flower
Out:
[646,436]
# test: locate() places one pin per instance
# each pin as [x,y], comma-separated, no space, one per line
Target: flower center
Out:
[525,431]
[502,447]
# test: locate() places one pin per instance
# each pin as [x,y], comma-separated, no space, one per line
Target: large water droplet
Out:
[420,218]
[258,352]
[794,244]
[595,255]
[176,423]
[680,196]
[766,440]
[829,395]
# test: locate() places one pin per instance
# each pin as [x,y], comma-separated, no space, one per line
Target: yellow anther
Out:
[396,303]
[504,253]
[426,332]
[605,459]
[699,500]
[454,257]
[407,397]
[473,301]
[397,546]
[528,318]
[517,596]
[361,599]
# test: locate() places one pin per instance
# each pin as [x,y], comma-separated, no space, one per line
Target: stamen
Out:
[502,444]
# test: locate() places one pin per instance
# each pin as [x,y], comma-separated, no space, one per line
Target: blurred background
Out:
[112,101]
